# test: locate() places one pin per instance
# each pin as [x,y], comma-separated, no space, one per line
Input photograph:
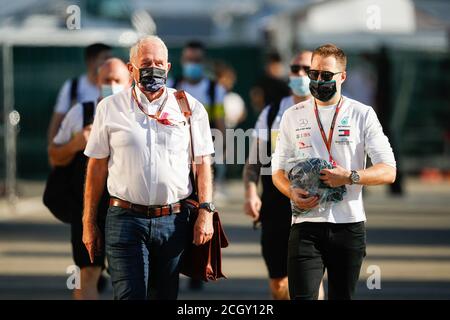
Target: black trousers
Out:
[316,246]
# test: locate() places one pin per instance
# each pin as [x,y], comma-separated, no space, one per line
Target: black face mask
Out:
[322,90]
[152,79]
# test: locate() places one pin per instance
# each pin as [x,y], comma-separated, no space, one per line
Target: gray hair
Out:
[153,39]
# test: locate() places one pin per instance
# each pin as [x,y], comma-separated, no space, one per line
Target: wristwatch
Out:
[209,206]
[354,177]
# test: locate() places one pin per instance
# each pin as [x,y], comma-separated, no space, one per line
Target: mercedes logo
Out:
[303,122]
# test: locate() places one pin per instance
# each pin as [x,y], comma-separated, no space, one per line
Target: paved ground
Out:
[408,239]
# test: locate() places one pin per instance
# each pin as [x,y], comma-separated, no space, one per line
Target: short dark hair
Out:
[221,68]
[273,57]
[195,44]
[330,49]
[93,50]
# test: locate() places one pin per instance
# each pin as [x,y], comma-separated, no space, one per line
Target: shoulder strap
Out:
[212,93]
[183,103]
[73,91]
[88,113]
[274,107]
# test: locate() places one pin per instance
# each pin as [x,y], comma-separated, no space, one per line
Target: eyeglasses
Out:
[295,68]
[324,75]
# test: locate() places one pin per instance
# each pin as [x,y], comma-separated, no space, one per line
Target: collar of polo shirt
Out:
[143,99]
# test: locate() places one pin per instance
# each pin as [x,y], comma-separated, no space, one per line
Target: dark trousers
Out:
[316,246]
[144,254]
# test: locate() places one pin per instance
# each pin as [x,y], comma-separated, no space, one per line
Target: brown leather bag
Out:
[202,262]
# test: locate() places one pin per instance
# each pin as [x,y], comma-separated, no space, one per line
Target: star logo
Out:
[303,122]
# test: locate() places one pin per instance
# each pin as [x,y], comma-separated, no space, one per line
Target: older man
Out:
[67,149]
[342,131]
[140,141]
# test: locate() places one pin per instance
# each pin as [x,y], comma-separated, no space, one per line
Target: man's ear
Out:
[343,76]
[130,68]
[169,65]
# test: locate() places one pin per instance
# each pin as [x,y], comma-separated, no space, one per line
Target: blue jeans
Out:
[144,254]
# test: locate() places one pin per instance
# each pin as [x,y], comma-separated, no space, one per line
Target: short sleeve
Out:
[98,142]
[284,148]
[67,128]
[376,143]
[201,132]
[63,99]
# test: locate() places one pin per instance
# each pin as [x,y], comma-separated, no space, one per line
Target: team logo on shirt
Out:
[344,135]
[344,121]
[303,125]
[303,135]
[302,145]
[303,122]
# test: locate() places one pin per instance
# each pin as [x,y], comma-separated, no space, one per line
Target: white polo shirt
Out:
[357,133]
[86,91]
[149,162]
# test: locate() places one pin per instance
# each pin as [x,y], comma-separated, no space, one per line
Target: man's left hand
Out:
[335,177]
[203,229]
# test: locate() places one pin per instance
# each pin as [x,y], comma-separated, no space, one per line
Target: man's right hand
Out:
[92,239]
[80,139]
[302,200]
[252,206]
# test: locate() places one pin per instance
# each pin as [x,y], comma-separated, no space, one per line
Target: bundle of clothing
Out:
[306,175]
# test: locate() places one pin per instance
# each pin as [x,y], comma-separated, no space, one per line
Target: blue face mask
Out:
[193,71]
[299,85]
[108,89]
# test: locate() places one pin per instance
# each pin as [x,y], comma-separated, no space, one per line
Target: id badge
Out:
[274,138]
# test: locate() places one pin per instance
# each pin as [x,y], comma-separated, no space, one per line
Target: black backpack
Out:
[266,180]
[63,194]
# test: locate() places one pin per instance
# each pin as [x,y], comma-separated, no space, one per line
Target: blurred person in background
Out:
[67,149]
[384,103]
[195,81]
[80,89]
[271,87]
[362,80]
[342,131]
[235,113]
[210,93]
[273,209]
[139,145]
[234,105]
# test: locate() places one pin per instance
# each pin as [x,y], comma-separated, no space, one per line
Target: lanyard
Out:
[156,116]
[330,134]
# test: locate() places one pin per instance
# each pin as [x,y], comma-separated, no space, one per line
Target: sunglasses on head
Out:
[295,68]
[324,75]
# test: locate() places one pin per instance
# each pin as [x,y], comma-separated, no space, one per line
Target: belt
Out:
[149,211]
